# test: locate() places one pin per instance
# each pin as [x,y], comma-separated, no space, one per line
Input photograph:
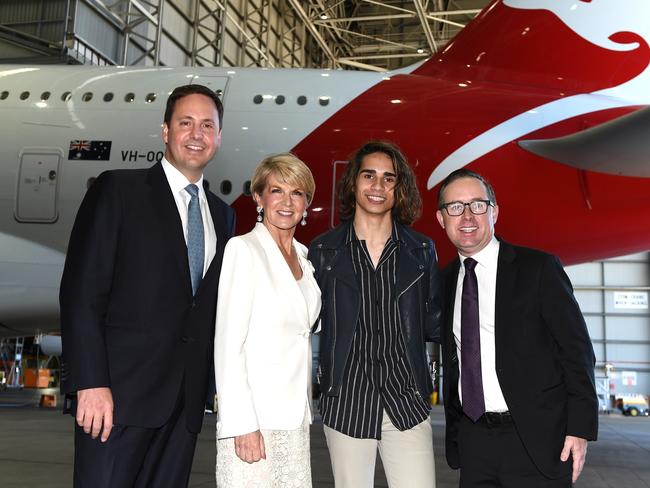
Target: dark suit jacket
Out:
[128,317]
[544,358]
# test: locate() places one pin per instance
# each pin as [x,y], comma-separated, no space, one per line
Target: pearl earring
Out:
[260,210]
[303,222]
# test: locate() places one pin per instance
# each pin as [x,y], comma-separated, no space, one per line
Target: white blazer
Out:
[262,346]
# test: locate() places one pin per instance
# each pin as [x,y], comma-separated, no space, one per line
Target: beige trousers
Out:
[407,457]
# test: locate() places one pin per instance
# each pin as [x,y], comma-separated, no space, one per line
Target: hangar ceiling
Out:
[347,34]
[378,35]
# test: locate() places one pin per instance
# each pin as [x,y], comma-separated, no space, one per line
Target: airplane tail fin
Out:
[565,45]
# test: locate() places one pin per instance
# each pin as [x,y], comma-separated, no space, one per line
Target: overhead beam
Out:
[431,41]
[314,31]
[356,64]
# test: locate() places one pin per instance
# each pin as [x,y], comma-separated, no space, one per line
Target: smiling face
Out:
[375,186]
[193,135]
[468,232]
[283,204]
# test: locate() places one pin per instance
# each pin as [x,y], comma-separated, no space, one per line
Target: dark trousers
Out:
[136,457]
[493,456]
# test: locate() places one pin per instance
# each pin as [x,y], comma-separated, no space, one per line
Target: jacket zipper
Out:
[408,357]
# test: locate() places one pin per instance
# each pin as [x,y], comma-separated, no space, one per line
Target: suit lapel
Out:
[170,221]
[505,290]
[281,276]
[451,282]
[221,233]
[449,344]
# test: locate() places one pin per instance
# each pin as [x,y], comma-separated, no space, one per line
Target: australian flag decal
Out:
[90,150]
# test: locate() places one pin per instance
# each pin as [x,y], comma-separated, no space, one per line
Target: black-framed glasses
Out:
[477,207]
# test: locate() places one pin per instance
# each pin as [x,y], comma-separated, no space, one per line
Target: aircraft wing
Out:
[620,146]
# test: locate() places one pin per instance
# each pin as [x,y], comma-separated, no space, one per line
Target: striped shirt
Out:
[377,376]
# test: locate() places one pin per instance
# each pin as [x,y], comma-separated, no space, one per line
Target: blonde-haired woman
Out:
[268,302]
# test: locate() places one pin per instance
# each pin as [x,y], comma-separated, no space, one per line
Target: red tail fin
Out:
[536,48]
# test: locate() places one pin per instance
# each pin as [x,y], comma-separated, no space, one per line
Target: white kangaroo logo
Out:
[595,22]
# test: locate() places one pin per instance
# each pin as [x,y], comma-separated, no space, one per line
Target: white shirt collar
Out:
[486,257]
[178,181]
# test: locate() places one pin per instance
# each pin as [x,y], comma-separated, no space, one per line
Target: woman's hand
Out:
[250,447]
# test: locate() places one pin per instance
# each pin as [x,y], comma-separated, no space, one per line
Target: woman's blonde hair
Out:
[289,169]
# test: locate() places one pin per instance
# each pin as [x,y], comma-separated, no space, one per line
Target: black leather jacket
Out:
[418,303]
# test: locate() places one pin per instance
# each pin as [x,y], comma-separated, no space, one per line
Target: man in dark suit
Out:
[520,399]
[138,298]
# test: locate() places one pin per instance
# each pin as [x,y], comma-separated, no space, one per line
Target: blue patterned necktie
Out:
[195,239]
[470,346]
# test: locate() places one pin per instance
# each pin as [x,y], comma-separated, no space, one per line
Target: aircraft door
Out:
[36,194]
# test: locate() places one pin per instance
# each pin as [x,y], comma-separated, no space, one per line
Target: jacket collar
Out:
[169,220]
[408,267]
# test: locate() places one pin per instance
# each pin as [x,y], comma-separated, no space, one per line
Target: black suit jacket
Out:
[128,317]
[544,358]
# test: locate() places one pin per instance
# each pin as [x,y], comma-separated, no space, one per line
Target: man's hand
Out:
[577,447]
[250,447]
[95,411]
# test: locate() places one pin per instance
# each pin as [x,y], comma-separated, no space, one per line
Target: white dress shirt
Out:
[177,182]
[486,275]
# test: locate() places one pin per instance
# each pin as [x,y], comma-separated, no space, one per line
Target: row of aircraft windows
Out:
[151,97]
[280,99]
[86,97]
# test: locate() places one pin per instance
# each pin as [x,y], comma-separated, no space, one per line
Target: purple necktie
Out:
[470,346]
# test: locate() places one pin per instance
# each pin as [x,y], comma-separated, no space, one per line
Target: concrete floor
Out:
[36,450]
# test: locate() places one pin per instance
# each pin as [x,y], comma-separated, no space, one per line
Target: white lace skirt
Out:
[287,463]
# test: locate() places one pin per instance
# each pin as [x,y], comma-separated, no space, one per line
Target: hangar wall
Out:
[613,296]
[159,32]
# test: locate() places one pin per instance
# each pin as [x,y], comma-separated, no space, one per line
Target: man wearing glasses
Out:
[519,391]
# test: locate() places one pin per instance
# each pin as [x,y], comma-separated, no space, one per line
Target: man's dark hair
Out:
[408,203]
[185,90]
[465,173]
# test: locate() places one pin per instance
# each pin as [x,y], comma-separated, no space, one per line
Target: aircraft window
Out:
[87,97]
[226,187]
[129,97]
[302,100]
[4,95]
[247,188]
[24,95]
[66,96]
[257,99]
[279,99]
[108,97]
[324,101]
[150,97]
